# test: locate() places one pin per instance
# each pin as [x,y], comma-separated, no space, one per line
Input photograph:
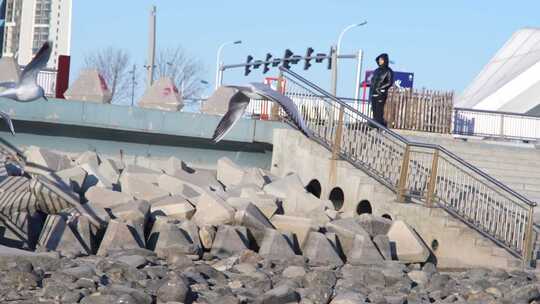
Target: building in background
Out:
[29,23]
[510,82]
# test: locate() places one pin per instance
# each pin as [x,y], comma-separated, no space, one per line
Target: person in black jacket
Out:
[382,80]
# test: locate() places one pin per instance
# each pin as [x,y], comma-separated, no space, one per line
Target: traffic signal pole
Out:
[333,84]
[225,67]
[360,58]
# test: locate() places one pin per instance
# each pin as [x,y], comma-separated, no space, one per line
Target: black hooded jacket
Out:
[382,80]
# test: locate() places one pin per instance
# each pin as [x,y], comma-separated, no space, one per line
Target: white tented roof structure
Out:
[510,82]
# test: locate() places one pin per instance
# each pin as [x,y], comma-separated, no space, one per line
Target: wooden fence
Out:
[425,110]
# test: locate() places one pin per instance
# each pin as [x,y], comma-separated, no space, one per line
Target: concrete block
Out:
[207,234]
[285,186]
[174,185]
[302,203]
[252,217]
[256,177]
[89,86]
[265,202]
[192,231]
[334,240]
[212,210]
[105,198]
[228,241]
[47,158]
[364,252]
[133,212]
[88,157]
[76,238]
[228,173]
[120,236]
[166,236]
[142,173]
[95,178]
[196,181]
[110,170]
[9,69]
[383,244]
[275,246]
[250,190]
[74,177]
[172,165]
[218,102]
[176,207]
[409,246]
[299,226]
[346,229]
[332,214]
[374,225]
[238,203]
[162,95]
[320,218]
[320,251]
[141,189]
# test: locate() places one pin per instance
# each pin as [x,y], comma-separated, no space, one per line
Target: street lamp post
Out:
[218,60]
[335,54]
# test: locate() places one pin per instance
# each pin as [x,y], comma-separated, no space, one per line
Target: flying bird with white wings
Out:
[240,100]
[27,89]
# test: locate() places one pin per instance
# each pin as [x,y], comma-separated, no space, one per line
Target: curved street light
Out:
[218,60]
[349,27]
[335,55]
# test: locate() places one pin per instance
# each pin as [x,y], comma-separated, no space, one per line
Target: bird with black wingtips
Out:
[240,100]
[27,89]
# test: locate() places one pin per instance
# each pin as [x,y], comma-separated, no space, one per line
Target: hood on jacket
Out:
[383,56]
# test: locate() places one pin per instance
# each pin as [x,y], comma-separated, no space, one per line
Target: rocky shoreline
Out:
[178,234]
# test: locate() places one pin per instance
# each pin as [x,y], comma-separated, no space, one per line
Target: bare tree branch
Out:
[181,68]
[114,65]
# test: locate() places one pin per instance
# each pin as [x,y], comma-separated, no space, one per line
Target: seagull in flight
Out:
[27,88]
[240,100]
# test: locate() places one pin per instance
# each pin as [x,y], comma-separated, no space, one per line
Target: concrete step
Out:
[497,156]
[501,164]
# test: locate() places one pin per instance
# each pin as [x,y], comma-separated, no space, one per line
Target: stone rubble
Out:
[235,235]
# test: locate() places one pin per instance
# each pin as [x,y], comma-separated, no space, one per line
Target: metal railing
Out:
[496,124]
[427,173]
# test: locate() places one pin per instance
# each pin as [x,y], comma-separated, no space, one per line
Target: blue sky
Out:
[445,43]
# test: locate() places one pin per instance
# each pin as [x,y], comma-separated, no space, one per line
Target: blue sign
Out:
[401,79]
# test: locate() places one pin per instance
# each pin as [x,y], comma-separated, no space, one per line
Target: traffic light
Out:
[330,57]
[248,67]
[257,64]
[267,63]
[286,59]
[307,58]
[320,57]
[295,59]
[276,62]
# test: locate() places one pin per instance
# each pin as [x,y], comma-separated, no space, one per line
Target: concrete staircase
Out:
[515,164]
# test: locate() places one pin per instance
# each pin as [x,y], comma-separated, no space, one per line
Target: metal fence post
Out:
[501,132]
[338,135]
[336,147]
[274,112]
[529,233]
[404,172]
[430,195]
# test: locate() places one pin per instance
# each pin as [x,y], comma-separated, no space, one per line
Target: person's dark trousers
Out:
[377,105]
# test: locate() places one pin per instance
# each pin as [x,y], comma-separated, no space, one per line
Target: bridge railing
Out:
[426,173]
[496,124]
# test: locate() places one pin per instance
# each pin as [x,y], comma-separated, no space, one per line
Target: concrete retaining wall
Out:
[458,245]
